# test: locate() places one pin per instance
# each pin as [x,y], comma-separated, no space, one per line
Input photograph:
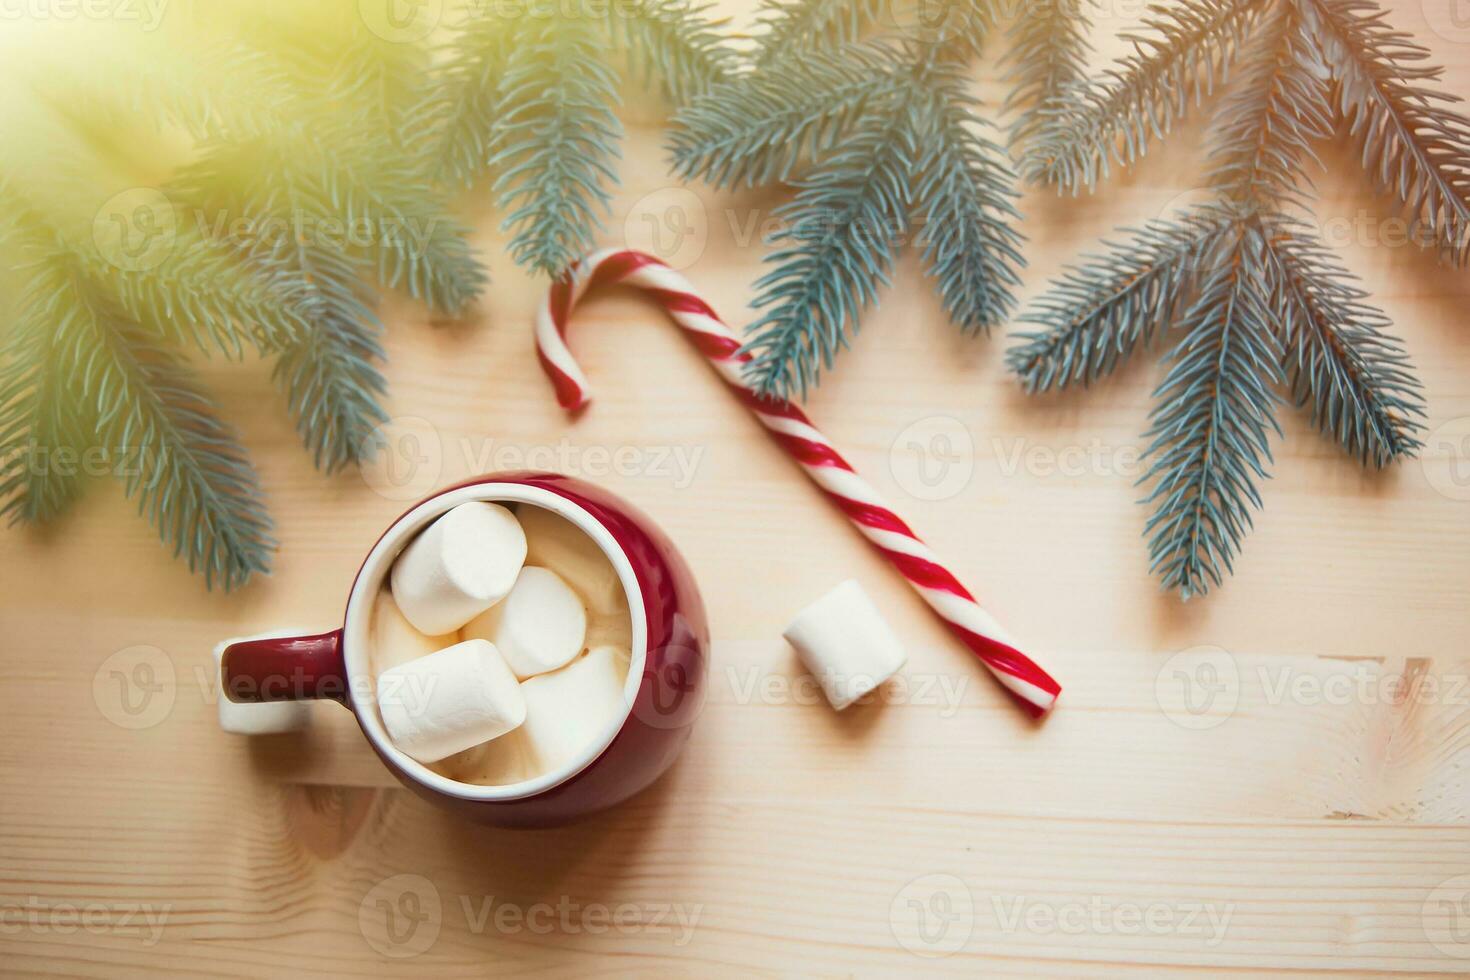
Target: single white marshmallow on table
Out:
[450,700]
[567,709]
[268,718]
[845,642]
[395,641]
[552,541]
[539,626]
[458,566]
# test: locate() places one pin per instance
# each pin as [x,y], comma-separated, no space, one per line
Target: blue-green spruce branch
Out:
[530,103]
[1255,308]
[864,107]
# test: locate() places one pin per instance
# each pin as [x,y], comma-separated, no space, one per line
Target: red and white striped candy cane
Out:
[1033,687]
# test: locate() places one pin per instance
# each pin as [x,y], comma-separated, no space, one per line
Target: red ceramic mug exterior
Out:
[666,677]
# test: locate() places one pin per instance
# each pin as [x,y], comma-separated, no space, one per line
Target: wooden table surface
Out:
[1275,777]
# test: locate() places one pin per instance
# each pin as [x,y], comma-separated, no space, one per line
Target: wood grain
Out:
[1317,805]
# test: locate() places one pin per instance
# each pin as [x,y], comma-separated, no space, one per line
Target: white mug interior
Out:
[356,634]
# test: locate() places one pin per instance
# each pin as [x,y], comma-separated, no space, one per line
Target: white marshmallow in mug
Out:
[458,566]
[567,709]
[845,642]
[450,700]
[538,627]
[267,718]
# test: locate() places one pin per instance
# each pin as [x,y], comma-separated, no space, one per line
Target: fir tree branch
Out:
[554,147]
[329,376]
[1277,107]
[193,480]
[201,295]
[359,161]
[1046,61]
[328,372]
[844,222]
[673,45]
[1415,148]
[1188,50]
[1097,314]
[758,128]
[44,428]
[966,200]
[1338,354]
[414,241]
[462,111]
[1214,411]
[803,27]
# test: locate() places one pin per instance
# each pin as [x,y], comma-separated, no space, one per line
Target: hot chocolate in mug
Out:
[662,695]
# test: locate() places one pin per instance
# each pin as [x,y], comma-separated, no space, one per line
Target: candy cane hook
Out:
[1032,687]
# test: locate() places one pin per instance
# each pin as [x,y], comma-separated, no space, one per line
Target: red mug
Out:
[666,676]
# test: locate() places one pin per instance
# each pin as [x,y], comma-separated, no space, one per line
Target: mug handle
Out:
[289,668]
